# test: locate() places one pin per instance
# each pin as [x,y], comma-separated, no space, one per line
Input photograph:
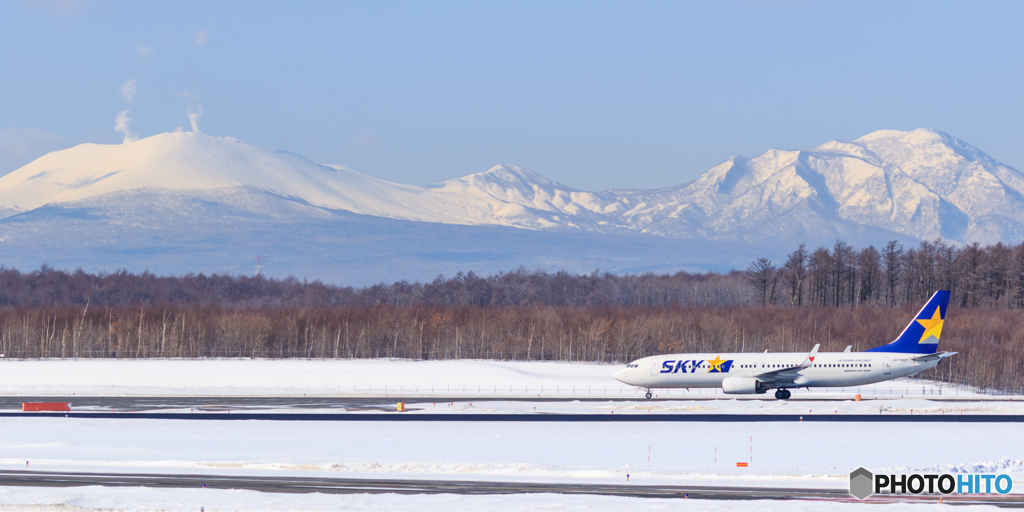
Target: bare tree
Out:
[842,273]
[893,261]
[796,271]
[869,268]
[819,269]
[763,277]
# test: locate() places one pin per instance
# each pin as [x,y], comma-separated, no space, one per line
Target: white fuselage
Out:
[829,369]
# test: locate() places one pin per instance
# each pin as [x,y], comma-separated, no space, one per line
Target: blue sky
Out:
[593,94]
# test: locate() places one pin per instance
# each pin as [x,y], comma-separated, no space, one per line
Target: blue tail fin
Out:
[921,336]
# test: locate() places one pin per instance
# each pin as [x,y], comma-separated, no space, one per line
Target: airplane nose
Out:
[621,376]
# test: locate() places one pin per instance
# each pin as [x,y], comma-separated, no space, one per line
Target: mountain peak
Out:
[922,144]
[176,161]
[914,136]
[507,175]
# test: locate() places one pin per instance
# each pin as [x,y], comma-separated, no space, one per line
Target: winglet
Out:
[809,360]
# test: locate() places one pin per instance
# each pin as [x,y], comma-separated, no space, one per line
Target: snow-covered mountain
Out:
[190,189]
[923,184]
[920,184]
[504,195]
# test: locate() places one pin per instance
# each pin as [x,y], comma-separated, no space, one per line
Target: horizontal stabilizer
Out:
[931,357]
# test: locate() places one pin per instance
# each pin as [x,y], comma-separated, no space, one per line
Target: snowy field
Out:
[367,377]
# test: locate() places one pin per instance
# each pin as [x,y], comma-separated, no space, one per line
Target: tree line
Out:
[520,287]
[841,275]
[836,276]
[988,339]
[835,295]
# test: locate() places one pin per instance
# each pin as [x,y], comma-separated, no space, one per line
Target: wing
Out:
[783,377]
[786,377]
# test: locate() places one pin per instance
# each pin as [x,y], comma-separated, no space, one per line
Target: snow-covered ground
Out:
[792,454]
[806,455]
[368,377]
[106,499]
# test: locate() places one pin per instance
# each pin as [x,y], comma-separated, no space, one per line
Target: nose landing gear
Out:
[782,394]
[648,395]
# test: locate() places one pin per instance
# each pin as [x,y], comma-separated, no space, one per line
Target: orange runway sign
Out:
[46,406]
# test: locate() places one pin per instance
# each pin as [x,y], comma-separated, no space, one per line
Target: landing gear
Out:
[648,395]
[783,394]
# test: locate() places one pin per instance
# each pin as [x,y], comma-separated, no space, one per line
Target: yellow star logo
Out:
[932,326]
[716,364]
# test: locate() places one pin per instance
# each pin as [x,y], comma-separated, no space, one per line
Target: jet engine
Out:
[742,385]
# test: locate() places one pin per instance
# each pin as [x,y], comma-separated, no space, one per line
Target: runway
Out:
[382,408]
[528,417]
[140,403]
[399,486]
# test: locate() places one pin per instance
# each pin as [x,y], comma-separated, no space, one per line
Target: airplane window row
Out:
[838,365]
[860,365]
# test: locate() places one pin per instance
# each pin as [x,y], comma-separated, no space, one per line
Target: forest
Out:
[838,296]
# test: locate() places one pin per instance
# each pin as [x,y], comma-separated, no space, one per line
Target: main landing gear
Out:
[648,395]
[782,394]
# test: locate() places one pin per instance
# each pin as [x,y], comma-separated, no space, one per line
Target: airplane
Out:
[914,351]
